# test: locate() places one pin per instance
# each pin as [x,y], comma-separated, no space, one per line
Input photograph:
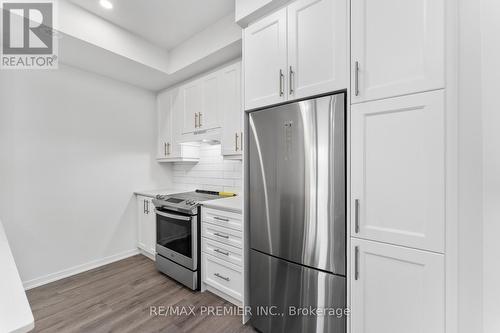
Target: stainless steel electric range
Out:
[178,235]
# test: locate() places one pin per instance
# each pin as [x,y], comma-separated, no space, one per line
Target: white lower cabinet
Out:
[396,289]
[146,225]
[222,254]
[222,275]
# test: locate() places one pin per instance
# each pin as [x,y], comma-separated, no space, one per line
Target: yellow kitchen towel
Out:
[227,194]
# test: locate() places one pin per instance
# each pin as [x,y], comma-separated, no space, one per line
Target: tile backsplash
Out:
[212,172]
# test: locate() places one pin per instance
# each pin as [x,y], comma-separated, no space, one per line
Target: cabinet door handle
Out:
[199,119]
[164,149]
[356,263]
[356,216]
[241,141]
[236,141]
[144,206]
[282,78]
[221,235]
[291,79]
[221,219]
[196,120]
[222,252]
[222,277]
[356,78]
[168,148]
[147,207]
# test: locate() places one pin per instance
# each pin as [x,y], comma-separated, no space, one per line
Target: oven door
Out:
[176,238]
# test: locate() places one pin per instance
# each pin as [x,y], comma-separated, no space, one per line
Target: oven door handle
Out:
[173,216]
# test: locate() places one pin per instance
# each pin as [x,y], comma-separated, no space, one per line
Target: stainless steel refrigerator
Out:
[297,216]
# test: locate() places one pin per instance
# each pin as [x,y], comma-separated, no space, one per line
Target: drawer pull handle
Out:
[222,277]
[221,219]
[222,252]
[221,235]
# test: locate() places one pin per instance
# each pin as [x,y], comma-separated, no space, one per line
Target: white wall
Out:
[212,172]
[490,29]
[73,148]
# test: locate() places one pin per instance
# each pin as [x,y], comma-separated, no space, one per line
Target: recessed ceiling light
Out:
[106,4]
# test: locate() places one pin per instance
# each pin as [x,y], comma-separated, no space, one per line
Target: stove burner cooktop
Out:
[186,202]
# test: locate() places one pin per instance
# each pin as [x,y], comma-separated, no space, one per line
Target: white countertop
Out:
[15,311]
[154,193]
[231,204]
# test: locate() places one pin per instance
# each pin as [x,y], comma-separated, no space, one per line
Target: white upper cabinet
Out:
[231,108]
[208,116]
[264,52]
[398,170]
[299,51]
[397,47]
[170,108]
[317,47]
[193,101]
[396,289]
[164,111]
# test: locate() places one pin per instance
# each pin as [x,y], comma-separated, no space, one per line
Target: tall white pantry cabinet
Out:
[402,211]
[399,126]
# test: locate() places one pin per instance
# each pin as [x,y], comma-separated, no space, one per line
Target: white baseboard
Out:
[33,283]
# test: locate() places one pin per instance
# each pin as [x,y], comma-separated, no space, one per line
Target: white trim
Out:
[452,218]
[147,254]
[33,283]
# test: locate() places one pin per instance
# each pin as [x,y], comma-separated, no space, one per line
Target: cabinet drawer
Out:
[222,218]
[222,251]
[223,276]
[221,234]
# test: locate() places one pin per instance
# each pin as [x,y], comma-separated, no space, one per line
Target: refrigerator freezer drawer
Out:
[278,286]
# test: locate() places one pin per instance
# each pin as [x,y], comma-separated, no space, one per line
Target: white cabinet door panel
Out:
[164,111]
[209,114]
[231,107]
[396,289]
[193,102]
[146,219]
[399,46]
[398,171]
[264,54]
[317,47]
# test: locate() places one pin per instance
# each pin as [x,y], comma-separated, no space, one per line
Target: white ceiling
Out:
[165,23]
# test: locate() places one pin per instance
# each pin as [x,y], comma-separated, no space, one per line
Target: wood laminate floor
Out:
[120,297]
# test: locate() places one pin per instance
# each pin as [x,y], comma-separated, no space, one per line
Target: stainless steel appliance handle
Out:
[173,216]
[221,235]
[282,78]
[356,216]
[221,219]
[222,252]
[356,78]
[222,277]
[356,263]
[291,79]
